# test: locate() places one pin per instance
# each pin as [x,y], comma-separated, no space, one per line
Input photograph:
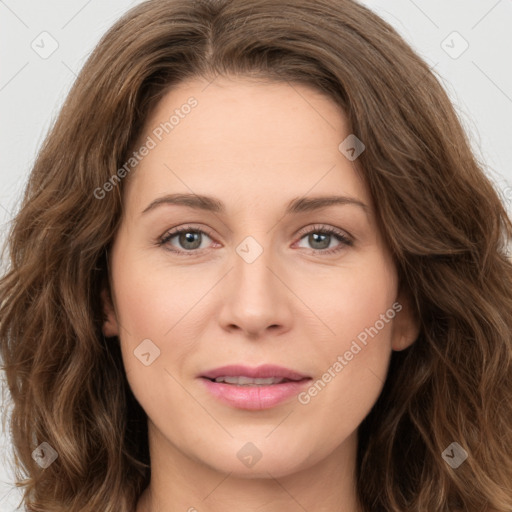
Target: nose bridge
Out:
[256,298]
[252,262]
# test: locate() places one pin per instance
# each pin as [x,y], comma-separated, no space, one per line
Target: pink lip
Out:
[254,397]
[261,372]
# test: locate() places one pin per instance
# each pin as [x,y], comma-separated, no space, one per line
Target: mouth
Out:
[258,388]
[248,381]
[266,374]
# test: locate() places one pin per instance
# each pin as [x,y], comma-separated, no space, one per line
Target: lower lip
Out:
[254,397]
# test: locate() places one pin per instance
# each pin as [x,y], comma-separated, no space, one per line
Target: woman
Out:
[338,334]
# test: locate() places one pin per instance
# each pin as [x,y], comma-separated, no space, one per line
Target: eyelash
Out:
[319,229]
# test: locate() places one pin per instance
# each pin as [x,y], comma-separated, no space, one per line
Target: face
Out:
[262,274]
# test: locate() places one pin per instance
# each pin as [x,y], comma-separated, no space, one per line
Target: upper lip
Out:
[260,372]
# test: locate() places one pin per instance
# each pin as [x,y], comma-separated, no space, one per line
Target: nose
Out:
[257,297]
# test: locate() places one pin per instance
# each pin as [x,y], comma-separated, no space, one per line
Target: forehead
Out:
[244,139]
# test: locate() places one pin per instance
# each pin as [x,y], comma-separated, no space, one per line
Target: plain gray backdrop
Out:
[43,46]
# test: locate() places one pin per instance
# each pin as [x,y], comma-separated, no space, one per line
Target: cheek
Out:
[357,308]
[352,299]
[152,300]
[154,308]
[148,310]
[354,363]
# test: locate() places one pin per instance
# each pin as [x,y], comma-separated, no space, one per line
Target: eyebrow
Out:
[211,204]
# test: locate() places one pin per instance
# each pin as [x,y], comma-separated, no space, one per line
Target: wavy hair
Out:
[442,218]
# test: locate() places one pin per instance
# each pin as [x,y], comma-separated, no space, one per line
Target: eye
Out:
[189,239]
[320,238]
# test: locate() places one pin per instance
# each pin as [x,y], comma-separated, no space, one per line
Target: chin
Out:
[247,461]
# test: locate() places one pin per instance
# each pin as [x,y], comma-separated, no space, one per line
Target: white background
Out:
[32,89]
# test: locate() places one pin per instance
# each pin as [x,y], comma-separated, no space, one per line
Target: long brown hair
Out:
[439,214]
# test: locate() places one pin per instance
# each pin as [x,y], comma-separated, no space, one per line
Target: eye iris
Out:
[313,238]
[190,237]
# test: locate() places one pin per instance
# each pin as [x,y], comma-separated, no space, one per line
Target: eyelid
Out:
[325,228]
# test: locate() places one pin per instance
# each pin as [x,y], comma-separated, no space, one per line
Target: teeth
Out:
[247,381]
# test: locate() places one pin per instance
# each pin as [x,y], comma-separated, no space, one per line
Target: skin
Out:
[254,146]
